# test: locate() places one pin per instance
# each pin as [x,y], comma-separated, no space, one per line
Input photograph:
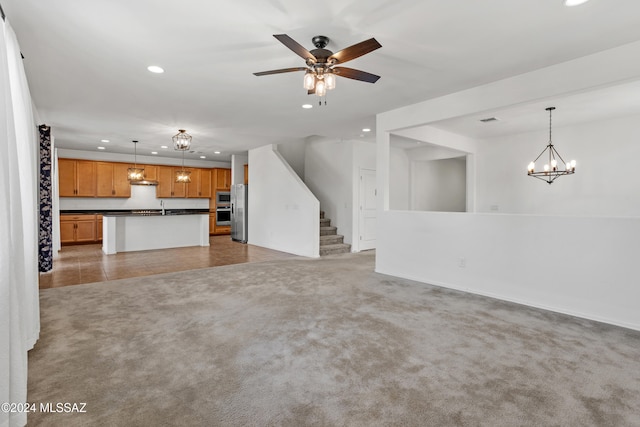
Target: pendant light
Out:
[183,175]
[555,165]
[181,140]
[135,173]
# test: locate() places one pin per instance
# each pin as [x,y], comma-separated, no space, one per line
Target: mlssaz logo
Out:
[64,407]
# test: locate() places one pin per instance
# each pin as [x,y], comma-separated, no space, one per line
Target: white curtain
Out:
[19,308]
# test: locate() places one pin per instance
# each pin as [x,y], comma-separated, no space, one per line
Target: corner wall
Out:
[283,213]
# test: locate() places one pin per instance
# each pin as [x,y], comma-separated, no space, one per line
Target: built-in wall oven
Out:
[223,208]
[223,215]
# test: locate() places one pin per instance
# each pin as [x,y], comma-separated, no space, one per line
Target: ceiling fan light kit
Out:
[321,64]
[552,169]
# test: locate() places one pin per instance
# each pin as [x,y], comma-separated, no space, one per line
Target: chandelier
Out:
[555,165]
[181,140]
[135,173]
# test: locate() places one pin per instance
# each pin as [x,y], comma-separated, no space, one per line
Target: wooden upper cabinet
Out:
[223,179]
[205,183]
[150,172]
[111,180]
[167,185]
[165,182]
[200,185]
[67,177]
[76,178]
[246,174]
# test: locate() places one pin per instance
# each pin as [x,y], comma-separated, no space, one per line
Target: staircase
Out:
[331,242]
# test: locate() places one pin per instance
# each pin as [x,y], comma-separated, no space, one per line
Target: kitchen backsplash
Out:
[142,197]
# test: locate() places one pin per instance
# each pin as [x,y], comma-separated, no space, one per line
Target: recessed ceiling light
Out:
[574,2]
[163,146]
[216,152]
[203,157]
[155,69]
[366,130]
[154,152]
[307,106]
[104,140]
[101,148]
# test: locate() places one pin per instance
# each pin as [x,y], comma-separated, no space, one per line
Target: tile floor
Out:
[86,263]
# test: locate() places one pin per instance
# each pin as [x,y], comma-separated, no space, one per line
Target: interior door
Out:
[367,223]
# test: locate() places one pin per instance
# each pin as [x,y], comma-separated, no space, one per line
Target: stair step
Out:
[327,231]
[331,239]
[339,248]
[325,222]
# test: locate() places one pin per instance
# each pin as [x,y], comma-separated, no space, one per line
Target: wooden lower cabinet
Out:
[99,228]
[80,229]
[212,222]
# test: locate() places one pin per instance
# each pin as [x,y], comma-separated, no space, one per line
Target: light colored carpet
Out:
[323,342]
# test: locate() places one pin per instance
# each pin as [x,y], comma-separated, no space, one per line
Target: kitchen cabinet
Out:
[246,174]
[99,227]
[222,178]
[111,180]
[150,172]
[200,185]
[76,178]
[212,222]
[167,185]
[77,229]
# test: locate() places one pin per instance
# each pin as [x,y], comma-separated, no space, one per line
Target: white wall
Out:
[606,153]
[237,168]
[439,185]
[577,264]
[399,179]
[294,153]
[283,213]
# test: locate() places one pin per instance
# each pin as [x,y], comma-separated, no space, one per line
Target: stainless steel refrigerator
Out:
[239,212]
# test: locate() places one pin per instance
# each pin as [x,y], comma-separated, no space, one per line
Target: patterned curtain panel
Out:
[45,250]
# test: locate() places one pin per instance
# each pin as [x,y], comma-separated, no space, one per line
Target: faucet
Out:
[162,206]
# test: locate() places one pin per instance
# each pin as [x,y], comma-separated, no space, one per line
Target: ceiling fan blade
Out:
[295,46]
[311,91]
[352,52]
[282,70]
[350,73]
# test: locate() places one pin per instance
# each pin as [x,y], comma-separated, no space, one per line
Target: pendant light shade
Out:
[182,140]
[309,80]
[135,173]
[330,80]
[555,166]
[321,88]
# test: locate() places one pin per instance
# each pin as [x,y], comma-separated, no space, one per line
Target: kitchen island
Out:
[145,230]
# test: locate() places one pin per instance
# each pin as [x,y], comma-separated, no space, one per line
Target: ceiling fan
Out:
[321,70]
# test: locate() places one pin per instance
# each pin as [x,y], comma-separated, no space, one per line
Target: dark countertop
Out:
[136,212]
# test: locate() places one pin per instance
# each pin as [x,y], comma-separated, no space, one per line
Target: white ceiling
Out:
[86,65]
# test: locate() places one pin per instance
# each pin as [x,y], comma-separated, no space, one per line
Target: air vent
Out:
[489,119]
